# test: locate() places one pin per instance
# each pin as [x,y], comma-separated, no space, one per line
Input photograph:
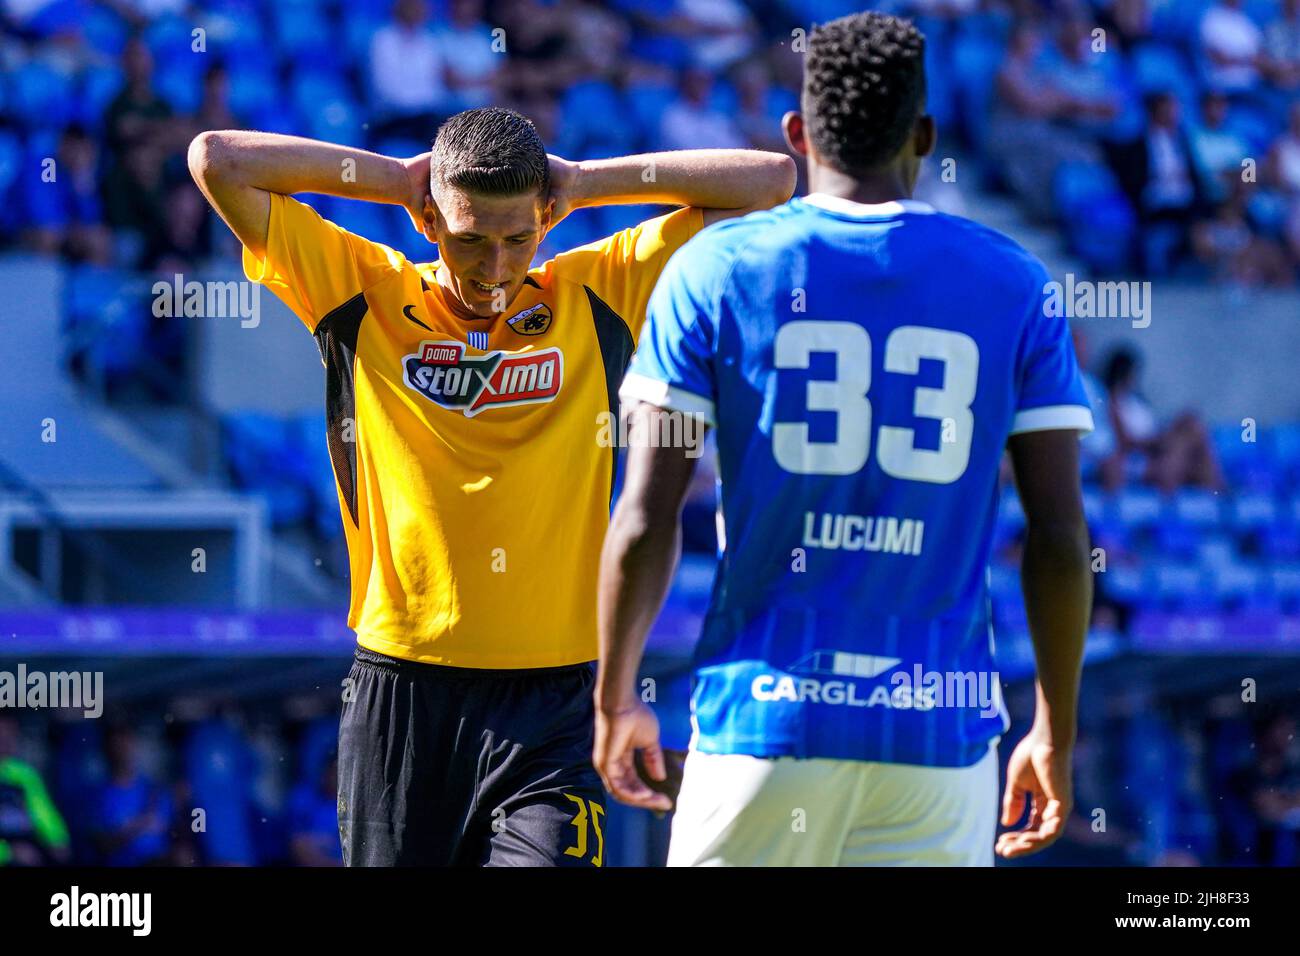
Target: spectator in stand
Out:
[140,133]
[1232,47]
[1282,170]
[65,213]
[1218,150]
[314,820]
[1159,173]
[600,38]
[1033,127]
[1270,786]
[544,57]
[32,832]
[1231,247]
[133,813]
[691,122]
[1097,457]
[408,75]
[1083,76]
[473,66]
[718,33]
[1127,22]
[1282,47]
[756,117]
[1177,456]
[214,108]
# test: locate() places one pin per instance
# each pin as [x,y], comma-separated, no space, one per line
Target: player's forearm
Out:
[292,164]
[636,569]
[1057,585]
[710,178]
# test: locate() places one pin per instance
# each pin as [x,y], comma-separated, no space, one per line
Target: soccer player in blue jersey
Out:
[864,361]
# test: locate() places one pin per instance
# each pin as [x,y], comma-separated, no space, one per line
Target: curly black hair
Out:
[492,151]
[863,89]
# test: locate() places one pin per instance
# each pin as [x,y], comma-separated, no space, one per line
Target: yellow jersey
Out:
[473,479]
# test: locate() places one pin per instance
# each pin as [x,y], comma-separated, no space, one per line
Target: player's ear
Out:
[792,127]
[432,218]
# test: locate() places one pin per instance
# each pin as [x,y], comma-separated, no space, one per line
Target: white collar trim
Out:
[867,210]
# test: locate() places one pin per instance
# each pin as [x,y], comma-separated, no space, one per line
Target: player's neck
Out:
[888,186]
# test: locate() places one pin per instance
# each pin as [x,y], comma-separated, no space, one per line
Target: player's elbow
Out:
[786,176]
[635,534]
[209,157]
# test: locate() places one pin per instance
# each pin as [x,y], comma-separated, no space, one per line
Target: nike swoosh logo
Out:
[406,311]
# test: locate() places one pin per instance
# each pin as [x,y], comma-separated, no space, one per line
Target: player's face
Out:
[487,244]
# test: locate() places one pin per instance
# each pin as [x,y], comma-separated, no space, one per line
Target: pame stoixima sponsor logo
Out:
[446,376]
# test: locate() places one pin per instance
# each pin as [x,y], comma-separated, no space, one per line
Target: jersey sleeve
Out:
[673,367]
[312,265]
[1051,394]
[623,268]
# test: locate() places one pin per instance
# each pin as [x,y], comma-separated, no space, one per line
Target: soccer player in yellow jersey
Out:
[466,399]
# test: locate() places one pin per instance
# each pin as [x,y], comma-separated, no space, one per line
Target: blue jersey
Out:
[863,367]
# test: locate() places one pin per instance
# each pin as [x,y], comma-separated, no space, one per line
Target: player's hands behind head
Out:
[564,180]
[1038,775]
[417,193]
[619,734]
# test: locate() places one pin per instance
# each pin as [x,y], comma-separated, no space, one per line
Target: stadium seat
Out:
[265,459]
[1137,507]
[104,30]
[40,95]
[1251,511]
[254,88]
[11,160]
[1098,220]
[1201,509]
[99,85]
[1285,582]
[180,82]
[107,318]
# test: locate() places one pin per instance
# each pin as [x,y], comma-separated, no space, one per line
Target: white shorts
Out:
[736,810]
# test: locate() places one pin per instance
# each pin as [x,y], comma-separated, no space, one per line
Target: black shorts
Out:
[448,766]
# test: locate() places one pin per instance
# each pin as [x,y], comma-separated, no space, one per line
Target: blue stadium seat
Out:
[104,31]
[1137,507]
[977,57]
[1158,67]
[1238,584]
[1181,586]
[309,437]
[179,81]
[107,318]
[253,89]
[40,95]
[1127,584]
[1098,220]
[11,162]
[302,32]
[1252,510]
[1178,20]
[170,38]
[1285,582]
[99,85]
[265,459]
[587,109]
[1202,509]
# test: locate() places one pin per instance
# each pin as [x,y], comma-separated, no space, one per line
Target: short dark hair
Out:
[490,150]
[863,89]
